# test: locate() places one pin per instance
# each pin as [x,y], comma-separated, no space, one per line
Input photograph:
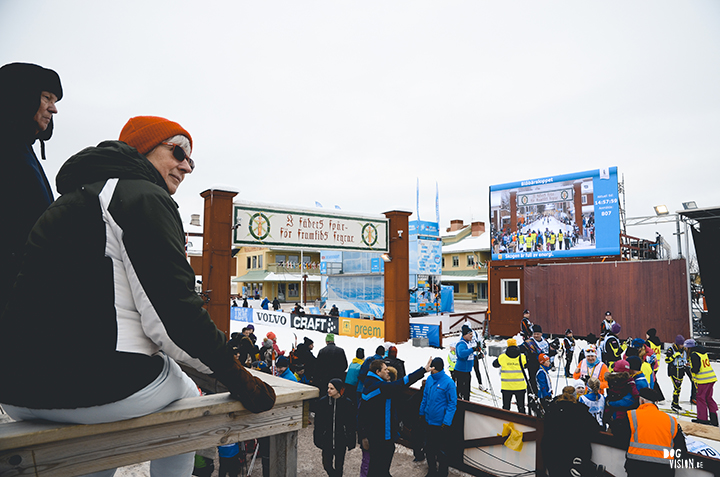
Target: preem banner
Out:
[570,215]
[361,328]
[267,225]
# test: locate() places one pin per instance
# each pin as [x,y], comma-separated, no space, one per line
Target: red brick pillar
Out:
[217,238]
[577,201]
[397,278]
[513,211]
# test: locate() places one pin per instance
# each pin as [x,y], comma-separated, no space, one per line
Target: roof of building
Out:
[469,244]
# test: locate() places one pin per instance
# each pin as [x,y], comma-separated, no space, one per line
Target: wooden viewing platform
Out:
[48,448]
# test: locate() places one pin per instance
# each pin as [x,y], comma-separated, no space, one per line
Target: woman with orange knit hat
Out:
[116,236]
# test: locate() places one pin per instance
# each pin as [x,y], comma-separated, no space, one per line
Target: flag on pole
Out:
[417,198]
[437,205]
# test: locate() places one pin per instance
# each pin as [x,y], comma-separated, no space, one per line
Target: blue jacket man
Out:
[440,397]
[438,409]
[379,354]
[376,414]
[465,359]
[283,367]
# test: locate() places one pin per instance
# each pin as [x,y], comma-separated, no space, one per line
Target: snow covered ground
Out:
[417,357]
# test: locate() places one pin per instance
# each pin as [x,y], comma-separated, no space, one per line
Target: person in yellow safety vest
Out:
[704,377]
[560,240]
[533,240]
[551,241]
[654,438]
[452,359]
[512,378]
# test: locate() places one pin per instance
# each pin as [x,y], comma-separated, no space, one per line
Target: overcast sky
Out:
[350,103]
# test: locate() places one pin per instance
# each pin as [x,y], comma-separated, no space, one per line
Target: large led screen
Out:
[570,215]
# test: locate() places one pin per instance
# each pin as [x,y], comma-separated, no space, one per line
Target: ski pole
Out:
[252,462]
[487,373]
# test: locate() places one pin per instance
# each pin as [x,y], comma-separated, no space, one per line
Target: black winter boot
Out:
[714,419]
[700,421]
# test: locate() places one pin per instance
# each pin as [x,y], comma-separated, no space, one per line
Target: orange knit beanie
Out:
[145,132]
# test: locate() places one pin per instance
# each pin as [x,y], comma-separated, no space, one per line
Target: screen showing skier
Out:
[569,215]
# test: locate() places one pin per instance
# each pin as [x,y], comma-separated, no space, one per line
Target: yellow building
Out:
[270,272]
[465,253]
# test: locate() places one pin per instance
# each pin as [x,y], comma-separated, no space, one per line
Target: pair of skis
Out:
[684,412]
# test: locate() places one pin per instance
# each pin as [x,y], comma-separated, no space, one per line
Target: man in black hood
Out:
[28,94]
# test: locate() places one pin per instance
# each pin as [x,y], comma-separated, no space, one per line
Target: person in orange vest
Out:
[704,377]
[592,367]
[654,438]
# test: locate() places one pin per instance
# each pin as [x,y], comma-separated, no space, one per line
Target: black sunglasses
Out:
[179,154]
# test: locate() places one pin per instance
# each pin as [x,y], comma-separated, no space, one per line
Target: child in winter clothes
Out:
[594,400]
[229,460]
[543,378]
[275,346]
[622,394]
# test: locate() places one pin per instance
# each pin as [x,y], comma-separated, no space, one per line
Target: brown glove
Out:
[252,392]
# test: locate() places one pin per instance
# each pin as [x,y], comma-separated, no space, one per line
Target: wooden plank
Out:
[95,452]
[700,430]
[22,434]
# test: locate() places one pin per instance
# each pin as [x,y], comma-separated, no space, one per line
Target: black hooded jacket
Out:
[25,192]
[122,291]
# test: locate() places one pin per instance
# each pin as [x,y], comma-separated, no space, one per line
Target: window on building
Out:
[510,291]
[260,261]
[443,262]
[279,259]
[584,199]
[471,288]
[482,293]
[254,262]
[456,260]
[248,263]
[456,287]
[293,259]
[293,290]
[471,260]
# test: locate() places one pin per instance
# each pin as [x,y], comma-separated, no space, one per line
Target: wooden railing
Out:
[40,448]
